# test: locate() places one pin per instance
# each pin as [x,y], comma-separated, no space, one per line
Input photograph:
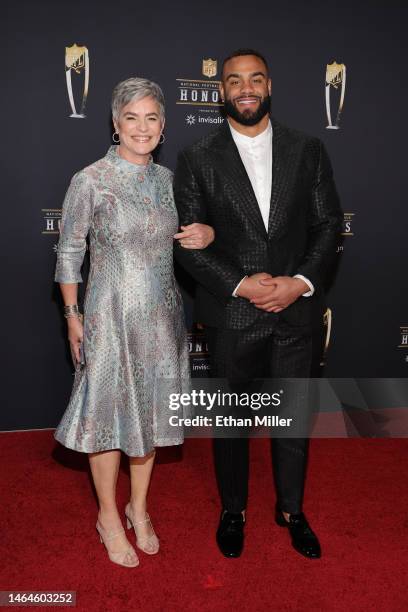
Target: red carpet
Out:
[356,500]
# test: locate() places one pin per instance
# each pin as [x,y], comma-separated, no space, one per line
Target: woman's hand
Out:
[75,336]
[195,236]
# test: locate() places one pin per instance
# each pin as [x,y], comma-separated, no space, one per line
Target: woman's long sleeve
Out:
[77,213]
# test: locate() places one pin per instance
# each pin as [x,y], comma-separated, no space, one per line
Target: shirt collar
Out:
[260,139]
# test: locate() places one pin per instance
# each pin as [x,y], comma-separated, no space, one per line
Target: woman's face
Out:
[139,127]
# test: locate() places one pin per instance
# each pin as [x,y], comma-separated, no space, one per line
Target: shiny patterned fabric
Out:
[135,342]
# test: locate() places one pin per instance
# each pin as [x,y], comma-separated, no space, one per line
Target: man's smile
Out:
[248,101]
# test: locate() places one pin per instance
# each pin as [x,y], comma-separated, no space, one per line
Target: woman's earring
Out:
[162,136]
[113,137]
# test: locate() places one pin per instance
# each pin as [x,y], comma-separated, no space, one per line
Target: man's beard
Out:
[248,117]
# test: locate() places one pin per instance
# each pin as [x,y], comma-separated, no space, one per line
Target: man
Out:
[268,191]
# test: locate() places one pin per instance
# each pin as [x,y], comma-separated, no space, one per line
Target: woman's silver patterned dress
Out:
[135,342]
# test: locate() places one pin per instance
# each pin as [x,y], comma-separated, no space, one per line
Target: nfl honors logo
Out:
[347,230]
[348,224]
[203,94]
[198,349]
[404,341]
[404,337]
[200,92]
[52,220]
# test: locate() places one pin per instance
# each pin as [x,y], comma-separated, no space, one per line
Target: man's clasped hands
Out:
[271,293]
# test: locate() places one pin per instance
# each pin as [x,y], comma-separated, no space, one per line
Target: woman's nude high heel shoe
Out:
[149,544]
[127,558]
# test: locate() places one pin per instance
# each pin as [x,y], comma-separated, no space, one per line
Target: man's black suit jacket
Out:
[211,186]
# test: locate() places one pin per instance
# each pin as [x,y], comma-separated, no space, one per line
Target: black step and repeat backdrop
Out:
[324,56]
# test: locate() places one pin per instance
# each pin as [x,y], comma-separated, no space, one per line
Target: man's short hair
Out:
[240,52]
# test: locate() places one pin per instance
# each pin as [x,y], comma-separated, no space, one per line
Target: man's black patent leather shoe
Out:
[303,538]
[230,534]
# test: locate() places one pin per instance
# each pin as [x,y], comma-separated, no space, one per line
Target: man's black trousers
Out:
[260,351]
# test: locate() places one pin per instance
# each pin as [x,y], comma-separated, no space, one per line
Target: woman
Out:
[131,351]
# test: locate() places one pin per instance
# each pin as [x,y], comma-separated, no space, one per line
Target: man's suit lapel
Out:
[282,165]
[234,170]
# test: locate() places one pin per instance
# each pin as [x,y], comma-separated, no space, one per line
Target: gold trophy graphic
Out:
[335,76]
[77,60]
[327,324]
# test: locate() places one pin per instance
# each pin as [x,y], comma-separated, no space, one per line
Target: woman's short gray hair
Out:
[135,88]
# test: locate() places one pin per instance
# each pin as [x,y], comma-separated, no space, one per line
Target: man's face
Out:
[246,89]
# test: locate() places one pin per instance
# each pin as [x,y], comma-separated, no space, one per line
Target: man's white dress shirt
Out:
[256,155]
